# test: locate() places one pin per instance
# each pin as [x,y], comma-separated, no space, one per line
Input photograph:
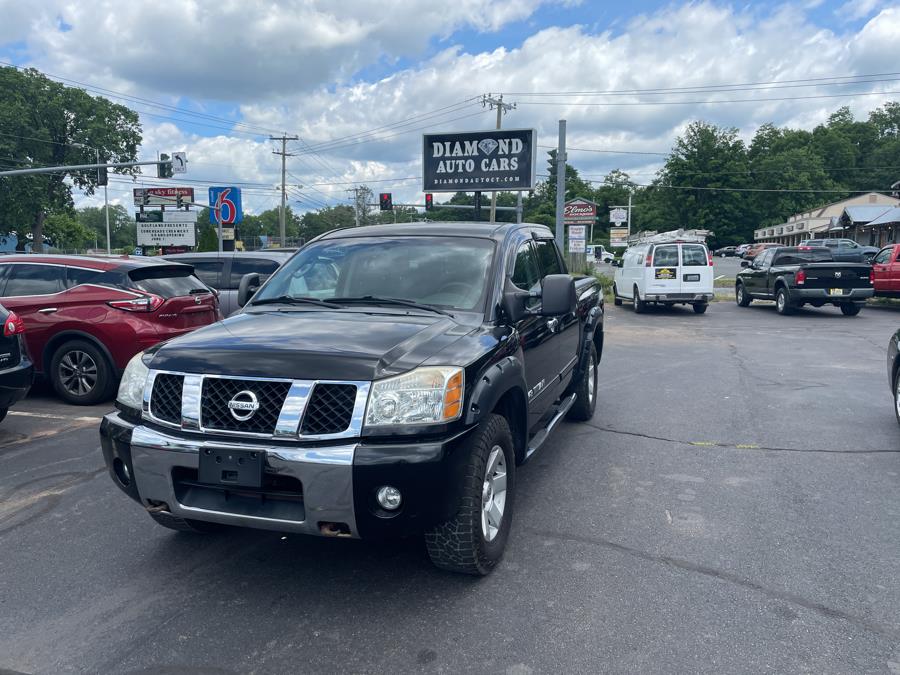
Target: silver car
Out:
[223,271]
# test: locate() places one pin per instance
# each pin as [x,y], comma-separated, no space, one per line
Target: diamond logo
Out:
[487,145]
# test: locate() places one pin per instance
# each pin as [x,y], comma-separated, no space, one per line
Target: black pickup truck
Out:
[385,381]
[795,276]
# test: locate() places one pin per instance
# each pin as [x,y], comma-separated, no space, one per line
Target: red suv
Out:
[86,317]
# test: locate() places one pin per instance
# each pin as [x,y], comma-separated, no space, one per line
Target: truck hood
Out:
[309,345]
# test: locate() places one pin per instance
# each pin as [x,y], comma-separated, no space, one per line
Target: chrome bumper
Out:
[326,474]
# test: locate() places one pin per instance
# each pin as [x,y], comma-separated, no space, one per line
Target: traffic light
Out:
[164,170]
[429,201]
[386,202]
[102,176]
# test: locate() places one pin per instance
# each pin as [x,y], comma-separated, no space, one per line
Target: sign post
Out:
[578,215]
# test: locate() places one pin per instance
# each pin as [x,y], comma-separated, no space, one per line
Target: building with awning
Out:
[826,221]
[883,230]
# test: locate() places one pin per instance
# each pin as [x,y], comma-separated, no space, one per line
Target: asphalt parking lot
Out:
[732,507]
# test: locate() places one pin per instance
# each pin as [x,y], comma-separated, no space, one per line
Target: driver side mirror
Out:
[558,295]
[745,263]
[248,286]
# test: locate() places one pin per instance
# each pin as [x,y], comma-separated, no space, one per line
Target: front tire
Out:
[617,301]
[81,374]
[897,396]
[639,305]
[586,392]
[850,309]
[472,542]
[742,297]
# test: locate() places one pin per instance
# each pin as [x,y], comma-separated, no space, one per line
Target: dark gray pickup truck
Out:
[384,381]
[796,276]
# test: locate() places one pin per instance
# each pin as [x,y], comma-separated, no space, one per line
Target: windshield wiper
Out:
[291,300]
[375,300]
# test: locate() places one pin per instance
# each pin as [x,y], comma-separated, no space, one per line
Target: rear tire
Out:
[81,374]
[617,301]
[586,392]
[782,303]
[472,542]
[639,305]
[741,297]
[173,522]
[700,307]
[850,309]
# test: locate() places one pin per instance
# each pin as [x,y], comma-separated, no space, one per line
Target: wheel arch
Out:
[61,338]
[501,388]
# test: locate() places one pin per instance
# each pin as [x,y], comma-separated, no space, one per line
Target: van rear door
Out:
[696,273]
[665,278]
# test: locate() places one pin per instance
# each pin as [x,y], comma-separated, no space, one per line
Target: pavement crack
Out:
[740,446]
[723,575]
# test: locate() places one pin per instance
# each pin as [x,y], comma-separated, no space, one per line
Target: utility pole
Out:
[560,184]
[501,107]
[284,155]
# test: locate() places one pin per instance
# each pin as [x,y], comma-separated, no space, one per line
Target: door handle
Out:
[47,310]
[553,324]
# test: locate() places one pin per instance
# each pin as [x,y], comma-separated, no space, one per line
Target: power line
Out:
[611,152]
[707,102]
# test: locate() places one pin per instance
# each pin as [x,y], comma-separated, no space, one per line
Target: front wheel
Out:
[850,309]
[472,542]
[617,301]
[586,392]
[742,297]
[639,305]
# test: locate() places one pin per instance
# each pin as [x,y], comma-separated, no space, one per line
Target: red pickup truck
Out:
[886,271]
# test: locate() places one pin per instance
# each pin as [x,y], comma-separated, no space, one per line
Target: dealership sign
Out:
[579,211]
[477,161]
[164,196]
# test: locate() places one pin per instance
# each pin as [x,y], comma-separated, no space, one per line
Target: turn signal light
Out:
[13,325]
[872,277]
[800,277]
[146,303]
[453,397]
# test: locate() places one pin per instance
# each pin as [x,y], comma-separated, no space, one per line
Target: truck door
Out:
[568,334]
[536,336]
[881,269]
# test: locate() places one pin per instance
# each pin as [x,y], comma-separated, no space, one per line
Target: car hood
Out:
[311,344]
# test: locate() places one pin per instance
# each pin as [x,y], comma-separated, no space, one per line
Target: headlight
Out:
[423,396]
[131,387]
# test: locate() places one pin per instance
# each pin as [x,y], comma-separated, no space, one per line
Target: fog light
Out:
[388,497]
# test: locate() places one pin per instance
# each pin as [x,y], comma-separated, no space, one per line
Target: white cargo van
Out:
[665,269]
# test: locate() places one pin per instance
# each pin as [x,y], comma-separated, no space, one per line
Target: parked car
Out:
[740,250]
[756,249]
[796,276]
[844,250]
[726,251]
[223,271]
[886,271]
[86,317]
[893,367]
[16,368]
[385,381]
[665,273]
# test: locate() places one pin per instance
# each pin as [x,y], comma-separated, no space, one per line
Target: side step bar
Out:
[538,440]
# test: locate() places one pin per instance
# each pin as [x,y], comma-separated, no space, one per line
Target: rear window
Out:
[166,282]
[665,256]
[820,254]
[694,256]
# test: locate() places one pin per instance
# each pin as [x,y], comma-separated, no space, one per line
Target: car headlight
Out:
[131,387]
[425,395]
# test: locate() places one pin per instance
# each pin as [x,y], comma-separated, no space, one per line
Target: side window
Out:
[242,266]
[849,243]
[546,255]
[765,258]
[207,271]
[831,243]
[526,273]
[883,257]
[77,275]
[694,256]
[665,256]
[28,279]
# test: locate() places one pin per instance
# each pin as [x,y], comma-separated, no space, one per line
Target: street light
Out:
[105,195]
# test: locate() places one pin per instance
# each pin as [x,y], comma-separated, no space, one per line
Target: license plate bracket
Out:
[691,277]
[240,468]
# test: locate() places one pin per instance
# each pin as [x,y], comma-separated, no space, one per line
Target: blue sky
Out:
[302,67]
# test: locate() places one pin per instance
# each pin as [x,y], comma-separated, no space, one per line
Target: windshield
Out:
[445,272]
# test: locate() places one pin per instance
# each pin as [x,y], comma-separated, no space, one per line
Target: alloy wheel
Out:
[493,493]
[592,379]
[78,372]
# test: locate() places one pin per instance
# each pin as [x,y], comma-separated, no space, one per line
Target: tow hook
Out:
[156,507]
[334,529]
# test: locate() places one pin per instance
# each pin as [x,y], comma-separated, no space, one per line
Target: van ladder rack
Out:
[671,236]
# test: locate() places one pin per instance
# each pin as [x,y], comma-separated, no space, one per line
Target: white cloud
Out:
[853,10]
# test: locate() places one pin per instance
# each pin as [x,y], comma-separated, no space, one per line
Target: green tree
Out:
[63,231]
[43,123]
[122,226]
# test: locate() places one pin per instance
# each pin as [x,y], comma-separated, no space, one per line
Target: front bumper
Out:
[319,489]
[822,294]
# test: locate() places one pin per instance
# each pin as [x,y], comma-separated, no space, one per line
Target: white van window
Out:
[693,255]
[666,256]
